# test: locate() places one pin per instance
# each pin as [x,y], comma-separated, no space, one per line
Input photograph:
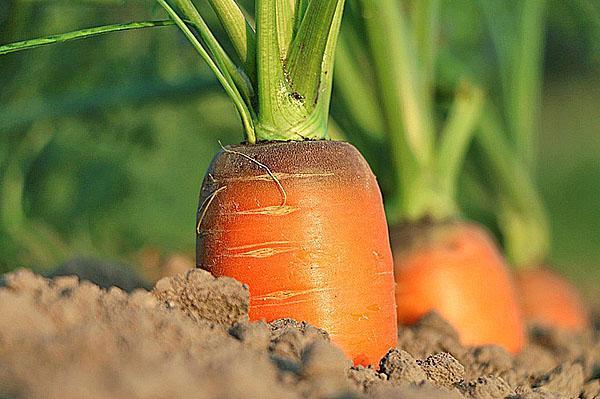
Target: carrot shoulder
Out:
[302,223]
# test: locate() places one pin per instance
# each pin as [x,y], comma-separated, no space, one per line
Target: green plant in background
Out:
[468,48]
[106,155]
[508,142]
[517,143]
[509,126]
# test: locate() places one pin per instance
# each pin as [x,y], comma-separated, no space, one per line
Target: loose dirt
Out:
[190,337]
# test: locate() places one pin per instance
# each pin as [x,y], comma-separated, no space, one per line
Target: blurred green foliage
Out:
[104,142]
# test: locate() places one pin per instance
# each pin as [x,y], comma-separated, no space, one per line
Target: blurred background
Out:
[104,142]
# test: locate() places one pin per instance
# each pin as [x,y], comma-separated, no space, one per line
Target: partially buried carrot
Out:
[455,269]
[442,262]
[549,299]
[298,218]
[308,235]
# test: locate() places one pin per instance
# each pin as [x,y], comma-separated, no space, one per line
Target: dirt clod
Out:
[488,387]
[201,296]
[591,390]
[365,379]
[289,338]
[429,336]
[443,370]
[401,368]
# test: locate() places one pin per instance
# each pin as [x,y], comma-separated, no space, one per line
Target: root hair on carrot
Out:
[263,166]
[206,204]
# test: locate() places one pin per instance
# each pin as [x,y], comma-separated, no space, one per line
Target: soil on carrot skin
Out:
[190,337]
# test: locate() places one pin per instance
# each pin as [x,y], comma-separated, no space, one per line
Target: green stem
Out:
[294,93]
[78,34]
[226,81]
[278,110]
[305,61]
[285,25]
[239,79]
[524,96]
[427,26]
[522,215]
[239,31]
[406,114]
[456,136]
[321,112]
[500,25]
[299,12]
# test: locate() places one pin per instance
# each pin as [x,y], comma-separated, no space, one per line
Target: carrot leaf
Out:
[240,33]
[217,65]
[78,34]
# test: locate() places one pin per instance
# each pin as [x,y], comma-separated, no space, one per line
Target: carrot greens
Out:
[509,128]
[399,64]
[279,75]
[282,85]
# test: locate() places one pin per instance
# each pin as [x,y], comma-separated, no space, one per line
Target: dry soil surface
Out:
[190,337]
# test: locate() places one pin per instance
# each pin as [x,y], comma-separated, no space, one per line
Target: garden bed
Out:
[190,337]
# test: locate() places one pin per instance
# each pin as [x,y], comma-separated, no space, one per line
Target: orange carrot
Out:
[549,299]
[302,223]
[453,268]
[456,270]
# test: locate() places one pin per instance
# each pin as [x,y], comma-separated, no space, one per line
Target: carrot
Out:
[456,270]
[297,218]
[441,263]
[308,235]
[549,299]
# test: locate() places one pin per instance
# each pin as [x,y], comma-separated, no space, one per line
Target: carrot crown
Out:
[281,80]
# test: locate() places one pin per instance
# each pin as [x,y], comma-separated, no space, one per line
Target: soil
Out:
[190,337]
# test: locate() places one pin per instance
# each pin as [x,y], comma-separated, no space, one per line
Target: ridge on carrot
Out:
[442,262]
[297,217]
[508,142]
